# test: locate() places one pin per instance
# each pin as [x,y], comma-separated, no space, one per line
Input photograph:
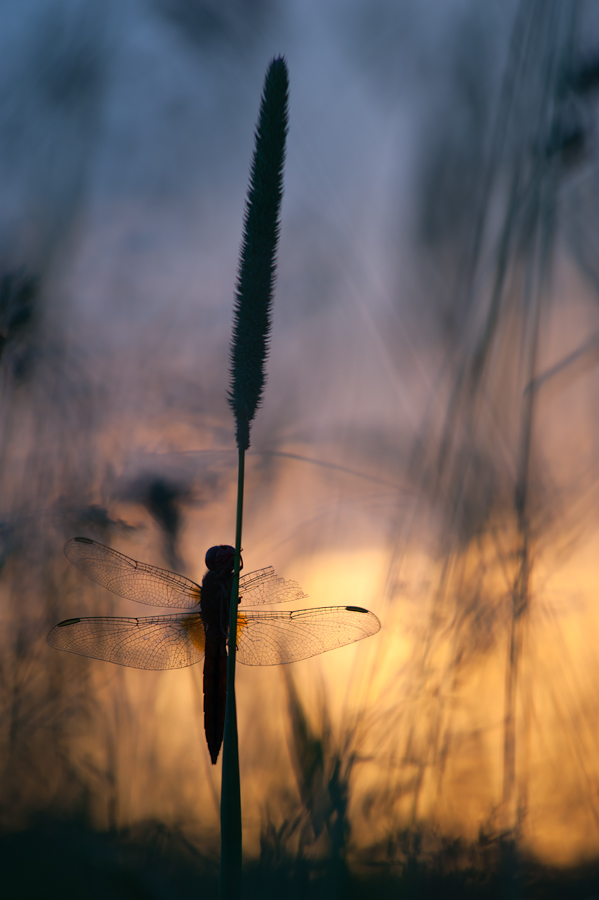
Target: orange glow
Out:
[194,627]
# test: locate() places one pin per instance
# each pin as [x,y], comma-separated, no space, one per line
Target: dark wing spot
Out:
[68,622]
[83,540]
[356,609]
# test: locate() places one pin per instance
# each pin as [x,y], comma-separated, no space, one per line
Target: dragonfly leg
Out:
[224,619]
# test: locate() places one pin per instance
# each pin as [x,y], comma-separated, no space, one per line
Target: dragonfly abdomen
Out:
[215,691]
[214,604]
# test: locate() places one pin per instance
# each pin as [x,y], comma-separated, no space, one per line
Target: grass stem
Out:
[230,803]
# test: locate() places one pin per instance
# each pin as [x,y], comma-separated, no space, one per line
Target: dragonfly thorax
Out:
[215,597]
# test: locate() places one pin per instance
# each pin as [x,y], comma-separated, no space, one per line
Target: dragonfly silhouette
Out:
[175,641]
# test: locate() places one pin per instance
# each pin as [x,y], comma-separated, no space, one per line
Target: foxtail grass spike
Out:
[255,282]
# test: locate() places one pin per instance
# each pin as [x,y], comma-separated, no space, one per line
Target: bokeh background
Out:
[428,445]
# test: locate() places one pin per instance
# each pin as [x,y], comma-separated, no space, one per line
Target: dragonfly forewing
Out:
[273,638]
[154,586]
[128,578]
[152,642]
[263,586]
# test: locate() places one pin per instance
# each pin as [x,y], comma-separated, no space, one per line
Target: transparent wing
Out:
[155,642]
[271,638]
[263,586]
[173,642]
[131,579]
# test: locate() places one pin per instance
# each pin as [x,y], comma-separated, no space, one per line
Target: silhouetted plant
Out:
[251,326]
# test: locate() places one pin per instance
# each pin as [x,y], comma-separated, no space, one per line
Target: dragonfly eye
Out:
[220,558]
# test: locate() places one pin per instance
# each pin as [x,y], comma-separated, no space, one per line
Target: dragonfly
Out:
[264,638]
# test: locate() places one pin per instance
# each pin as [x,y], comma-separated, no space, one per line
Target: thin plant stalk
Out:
[230,802]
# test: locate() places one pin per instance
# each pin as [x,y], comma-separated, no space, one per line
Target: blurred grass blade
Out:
[251,325]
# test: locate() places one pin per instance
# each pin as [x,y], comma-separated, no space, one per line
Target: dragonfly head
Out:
[221,558]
